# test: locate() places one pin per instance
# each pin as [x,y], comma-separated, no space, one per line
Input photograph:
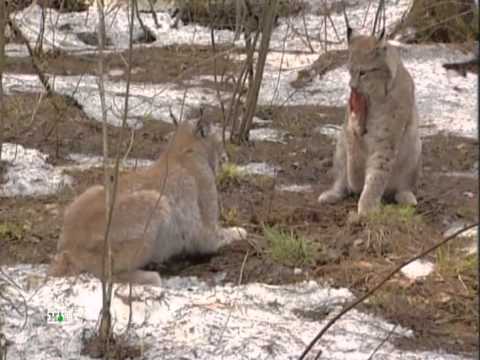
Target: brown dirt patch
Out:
[59,128]
[342,253]
[149,65]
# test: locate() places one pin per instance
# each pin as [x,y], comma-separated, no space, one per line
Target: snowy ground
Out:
[187,318]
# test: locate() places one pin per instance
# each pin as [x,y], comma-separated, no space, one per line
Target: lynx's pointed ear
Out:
[174,119]
[202,127]
[349,29]
[349,34]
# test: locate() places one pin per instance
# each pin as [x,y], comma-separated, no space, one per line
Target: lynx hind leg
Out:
[339,190]
[406,198]
[61,266]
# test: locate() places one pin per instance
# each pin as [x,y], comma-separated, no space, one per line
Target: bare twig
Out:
[148,34]
[154,14]
[3,18]
[42,77]
[379,285]
[106,320]
[242,268]
[384,340]
[41,33]
[378,20]
[254,89]
[215,78]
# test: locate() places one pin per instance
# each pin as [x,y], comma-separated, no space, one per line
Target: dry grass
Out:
[445,21]
[381,227]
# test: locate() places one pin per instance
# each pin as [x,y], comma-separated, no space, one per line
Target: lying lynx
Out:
[378,151]
[164,210]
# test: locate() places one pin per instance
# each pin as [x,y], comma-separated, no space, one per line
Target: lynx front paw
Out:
[366,206]
[232,234]
[330,197]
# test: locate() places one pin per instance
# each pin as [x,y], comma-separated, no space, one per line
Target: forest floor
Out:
[441,309]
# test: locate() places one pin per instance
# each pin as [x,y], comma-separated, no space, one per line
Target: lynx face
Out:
[210,141]
[369,68]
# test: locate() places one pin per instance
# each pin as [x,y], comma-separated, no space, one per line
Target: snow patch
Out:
[151,101]
[295,188]
[266,134]
[62,29]
[186,316]
[457,226]
[259,168]
[29,174]
[84,162]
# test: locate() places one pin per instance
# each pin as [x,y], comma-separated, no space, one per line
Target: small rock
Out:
[418,269]
[297,271]
[137,70]
[358,242]
[329,130]
[469,194]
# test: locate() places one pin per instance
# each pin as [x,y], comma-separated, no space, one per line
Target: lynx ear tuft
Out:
[349,34]
[382,39]
[202,128]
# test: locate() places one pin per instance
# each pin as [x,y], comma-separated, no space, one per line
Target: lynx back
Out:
[167,209]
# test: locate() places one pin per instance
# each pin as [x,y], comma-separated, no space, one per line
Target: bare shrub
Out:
[445,21]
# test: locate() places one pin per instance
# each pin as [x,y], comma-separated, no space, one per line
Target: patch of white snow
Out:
[29,174]
[259,168]
[187,318]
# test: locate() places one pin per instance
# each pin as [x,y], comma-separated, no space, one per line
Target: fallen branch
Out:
[379,285]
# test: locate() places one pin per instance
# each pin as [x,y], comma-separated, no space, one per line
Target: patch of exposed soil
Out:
[344,254]
[149,65]
[59,129]
[119,349]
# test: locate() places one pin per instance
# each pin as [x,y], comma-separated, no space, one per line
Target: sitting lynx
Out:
[164,210]
[378,151]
